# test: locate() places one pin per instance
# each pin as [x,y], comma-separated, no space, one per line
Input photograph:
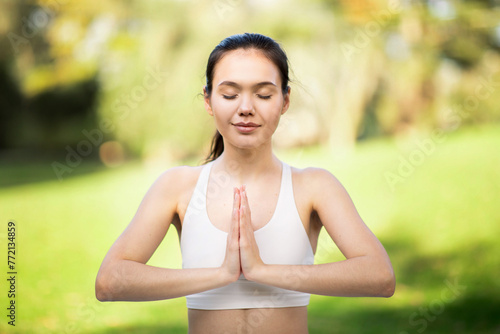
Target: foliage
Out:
[361,68]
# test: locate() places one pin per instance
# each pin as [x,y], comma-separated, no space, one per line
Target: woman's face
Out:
[246,100]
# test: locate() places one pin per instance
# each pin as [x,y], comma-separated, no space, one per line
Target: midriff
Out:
[290,320]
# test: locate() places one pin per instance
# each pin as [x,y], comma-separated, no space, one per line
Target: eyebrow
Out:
[234,84]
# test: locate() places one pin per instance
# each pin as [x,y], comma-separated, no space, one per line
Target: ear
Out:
[286,101]
[208,106]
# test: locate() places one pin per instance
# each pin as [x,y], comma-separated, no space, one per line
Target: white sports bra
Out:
[283,240]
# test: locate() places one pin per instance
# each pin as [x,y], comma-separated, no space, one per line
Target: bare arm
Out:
[124,274]
[367,270]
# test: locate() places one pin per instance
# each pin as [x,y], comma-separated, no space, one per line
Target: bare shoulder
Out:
[181,173]
[314,179]
[318,187]
[178,180]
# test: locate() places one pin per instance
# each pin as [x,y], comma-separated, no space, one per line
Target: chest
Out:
[280,234]
[218,198]
[262,201]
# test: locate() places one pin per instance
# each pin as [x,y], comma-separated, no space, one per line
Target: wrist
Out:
[257,274]
[226,277]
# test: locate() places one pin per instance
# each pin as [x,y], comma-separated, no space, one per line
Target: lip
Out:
[246,127]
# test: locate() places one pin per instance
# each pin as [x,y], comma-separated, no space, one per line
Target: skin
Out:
[246,88]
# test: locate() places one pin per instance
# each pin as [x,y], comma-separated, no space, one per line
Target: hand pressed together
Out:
[242,252]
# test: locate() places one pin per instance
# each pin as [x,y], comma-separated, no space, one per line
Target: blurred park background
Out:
[400,99]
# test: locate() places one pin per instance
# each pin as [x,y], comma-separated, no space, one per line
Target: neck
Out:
[246,164]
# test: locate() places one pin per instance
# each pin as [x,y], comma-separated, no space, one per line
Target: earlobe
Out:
[208,107]
[286,101]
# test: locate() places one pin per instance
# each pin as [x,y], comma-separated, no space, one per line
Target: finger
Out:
[236,199]
[242,204]
[235,228]
[245,220]
[244,201]
[236,202]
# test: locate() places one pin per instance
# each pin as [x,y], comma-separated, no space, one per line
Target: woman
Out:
[248,223]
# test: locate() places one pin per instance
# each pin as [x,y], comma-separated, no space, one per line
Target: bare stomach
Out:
[290,320]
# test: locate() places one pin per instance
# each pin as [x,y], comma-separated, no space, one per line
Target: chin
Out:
[250,143]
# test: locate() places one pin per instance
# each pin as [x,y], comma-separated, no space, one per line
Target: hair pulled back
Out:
[269,47]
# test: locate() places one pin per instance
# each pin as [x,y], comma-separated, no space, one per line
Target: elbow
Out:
[389,288]
[387,283]
[103,288]
[101,293]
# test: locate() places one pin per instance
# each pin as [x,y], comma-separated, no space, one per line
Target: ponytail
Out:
[216,148]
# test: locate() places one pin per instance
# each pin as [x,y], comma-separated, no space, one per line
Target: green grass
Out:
[439,226]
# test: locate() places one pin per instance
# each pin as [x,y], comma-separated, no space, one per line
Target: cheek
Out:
[275,113]
[276,120]
[222,109]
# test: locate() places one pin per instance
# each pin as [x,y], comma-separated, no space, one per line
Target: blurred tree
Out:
[11,103]
[56,117]
[44,102]
[362,68]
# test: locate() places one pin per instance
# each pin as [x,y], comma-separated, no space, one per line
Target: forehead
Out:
[246,67]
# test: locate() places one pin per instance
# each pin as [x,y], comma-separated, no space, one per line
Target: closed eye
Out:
[264,97]
[229,97]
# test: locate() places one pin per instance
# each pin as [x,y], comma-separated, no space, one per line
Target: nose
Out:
[246,106]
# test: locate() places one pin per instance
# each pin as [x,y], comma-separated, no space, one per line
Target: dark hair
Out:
[270,48]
